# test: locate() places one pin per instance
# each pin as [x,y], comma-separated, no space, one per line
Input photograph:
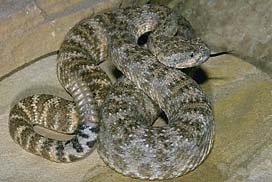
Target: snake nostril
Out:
[192,54]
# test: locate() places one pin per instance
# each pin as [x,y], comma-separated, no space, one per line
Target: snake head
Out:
[177,52]
[192,53]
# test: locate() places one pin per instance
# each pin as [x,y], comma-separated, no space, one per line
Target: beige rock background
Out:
[241,93]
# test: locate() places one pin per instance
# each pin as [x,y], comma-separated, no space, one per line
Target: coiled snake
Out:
[127,141]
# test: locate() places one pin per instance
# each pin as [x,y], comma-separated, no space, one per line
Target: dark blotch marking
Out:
[60,149]
[82,126]
[46,148]
[66,143]
[90,144]
[76,145]
[83,135]
[192,54]
[95,129]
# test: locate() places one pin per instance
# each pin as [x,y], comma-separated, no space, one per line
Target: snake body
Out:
[127,140]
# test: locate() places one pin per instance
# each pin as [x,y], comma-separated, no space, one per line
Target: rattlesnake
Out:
[127,141]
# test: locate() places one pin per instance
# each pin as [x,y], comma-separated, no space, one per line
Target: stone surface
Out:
[31,28]
[242,101]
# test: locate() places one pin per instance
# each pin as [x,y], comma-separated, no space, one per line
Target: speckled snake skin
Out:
[121,115]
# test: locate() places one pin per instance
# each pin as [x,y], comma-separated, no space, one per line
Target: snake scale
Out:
[120,116]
